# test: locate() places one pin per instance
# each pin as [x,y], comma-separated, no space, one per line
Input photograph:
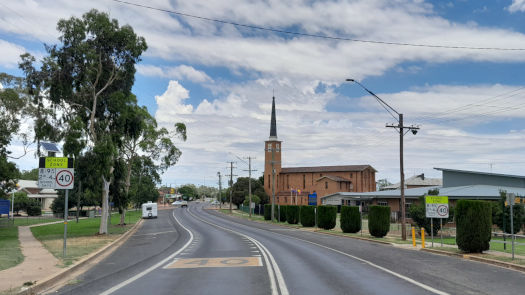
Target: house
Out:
[416,181]
[44,196]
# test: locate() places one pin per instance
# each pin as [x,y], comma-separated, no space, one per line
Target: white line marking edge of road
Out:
[143,273]
[271,264]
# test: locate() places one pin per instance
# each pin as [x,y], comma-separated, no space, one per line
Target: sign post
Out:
[510,200]
[436,207]
[57,173]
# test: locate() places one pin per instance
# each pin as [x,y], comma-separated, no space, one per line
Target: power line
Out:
[315,35]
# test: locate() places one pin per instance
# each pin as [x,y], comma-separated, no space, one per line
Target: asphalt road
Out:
[196,251]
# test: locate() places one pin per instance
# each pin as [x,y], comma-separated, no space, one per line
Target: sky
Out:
[453,68]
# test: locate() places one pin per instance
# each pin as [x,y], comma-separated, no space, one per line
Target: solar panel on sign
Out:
[50,147]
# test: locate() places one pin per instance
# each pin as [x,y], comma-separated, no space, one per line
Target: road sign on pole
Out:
[56,173]
[436,207]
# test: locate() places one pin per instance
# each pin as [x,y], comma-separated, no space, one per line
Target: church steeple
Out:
[273,126]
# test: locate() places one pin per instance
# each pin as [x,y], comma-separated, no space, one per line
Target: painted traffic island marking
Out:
[216,262]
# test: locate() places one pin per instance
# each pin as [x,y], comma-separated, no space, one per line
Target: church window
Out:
[326,184]
[382,203]
[277,148]
[269,180]
[287,181]
[304,181]
[269,147]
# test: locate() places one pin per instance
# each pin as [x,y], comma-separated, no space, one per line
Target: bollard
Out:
[413,236]
[422,237]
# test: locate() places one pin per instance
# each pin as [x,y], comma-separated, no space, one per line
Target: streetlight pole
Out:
[401,129]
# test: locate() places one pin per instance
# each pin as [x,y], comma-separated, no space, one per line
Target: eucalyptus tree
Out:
[90,74]
[144,138]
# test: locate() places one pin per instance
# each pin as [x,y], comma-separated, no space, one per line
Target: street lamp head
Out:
[414,131]
[350,80]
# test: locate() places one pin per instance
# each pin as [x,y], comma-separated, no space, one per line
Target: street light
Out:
[401,129]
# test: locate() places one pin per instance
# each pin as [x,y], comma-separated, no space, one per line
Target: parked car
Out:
[176,203]
[215,203]
[183,204]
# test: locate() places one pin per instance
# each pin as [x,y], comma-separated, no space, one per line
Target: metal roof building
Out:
[457,184]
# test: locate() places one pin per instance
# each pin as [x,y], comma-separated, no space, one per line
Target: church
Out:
[293,185]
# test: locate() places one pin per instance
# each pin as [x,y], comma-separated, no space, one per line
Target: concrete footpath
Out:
[38,263]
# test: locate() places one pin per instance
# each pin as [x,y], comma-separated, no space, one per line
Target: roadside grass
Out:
[82,237]
[10,252]
[509,259]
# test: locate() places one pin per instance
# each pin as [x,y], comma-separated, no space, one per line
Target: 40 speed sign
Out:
[56,173]
[436,206]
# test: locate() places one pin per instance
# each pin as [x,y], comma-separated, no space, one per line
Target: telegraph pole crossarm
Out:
[401,129]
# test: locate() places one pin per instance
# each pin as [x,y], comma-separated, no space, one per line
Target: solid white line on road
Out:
[141,274]
[153,234]
[412,281]
[274,272]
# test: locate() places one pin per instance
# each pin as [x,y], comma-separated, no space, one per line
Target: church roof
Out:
[273,123]
[346,168]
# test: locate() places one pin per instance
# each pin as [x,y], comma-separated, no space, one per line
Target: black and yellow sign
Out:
[55,162]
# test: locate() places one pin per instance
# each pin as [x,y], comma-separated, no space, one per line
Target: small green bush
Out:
[326,216]
[292,214]
[378,220]
[307,216]
[281,212]
[267,211]
[350,219]
[473,225]
[34,210]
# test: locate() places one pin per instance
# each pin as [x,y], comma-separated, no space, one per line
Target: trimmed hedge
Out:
[281,213]
[267,211]
[326,216]
[473,225]
[350,219]
[307,216]
[378,220]
[34,210]
[292,214]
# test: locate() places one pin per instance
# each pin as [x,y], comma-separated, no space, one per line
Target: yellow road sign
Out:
[436,200]
[216,262]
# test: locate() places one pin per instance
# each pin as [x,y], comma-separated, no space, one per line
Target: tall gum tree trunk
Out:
[105,206]
[123,209]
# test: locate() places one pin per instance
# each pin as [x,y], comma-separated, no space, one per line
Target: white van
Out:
[149,210]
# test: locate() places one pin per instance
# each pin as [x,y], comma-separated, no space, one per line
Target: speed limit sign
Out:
[64,178]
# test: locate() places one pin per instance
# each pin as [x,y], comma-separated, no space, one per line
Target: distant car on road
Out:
[183,204]
[176,203]
[215,203]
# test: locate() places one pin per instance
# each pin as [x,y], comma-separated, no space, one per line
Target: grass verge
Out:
[10,252]
[82,236]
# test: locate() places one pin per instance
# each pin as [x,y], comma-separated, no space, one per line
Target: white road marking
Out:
[157,233]
[412,281]
[139,275]
[274,272]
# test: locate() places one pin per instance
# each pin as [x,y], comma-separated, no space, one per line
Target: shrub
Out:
[307,216]
[418,214]
[281,213]
[378,220]
[34,210]
[292,214]
[326,216]
[473,225]
[267,211]
[350,219]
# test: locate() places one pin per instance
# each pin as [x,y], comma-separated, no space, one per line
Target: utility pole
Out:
[250,184]
[401,129]
[231,184]
[220,188]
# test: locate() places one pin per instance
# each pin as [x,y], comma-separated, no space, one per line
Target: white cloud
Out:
[10,54]
[181,72]
[517,6]
[238,123]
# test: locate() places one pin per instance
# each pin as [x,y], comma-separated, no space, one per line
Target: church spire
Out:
[273,126]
